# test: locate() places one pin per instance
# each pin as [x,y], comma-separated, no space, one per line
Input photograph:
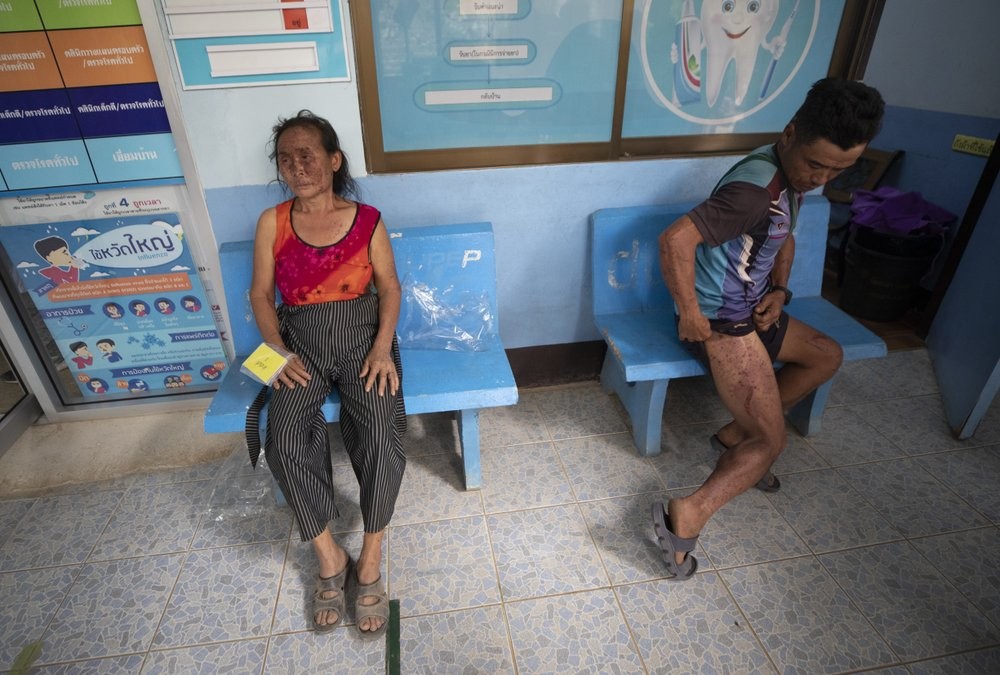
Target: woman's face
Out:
[304,163]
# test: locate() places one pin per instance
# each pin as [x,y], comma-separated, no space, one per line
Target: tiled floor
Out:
[878,554]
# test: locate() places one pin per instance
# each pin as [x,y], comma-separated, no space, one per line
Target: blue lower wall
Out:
[539,217]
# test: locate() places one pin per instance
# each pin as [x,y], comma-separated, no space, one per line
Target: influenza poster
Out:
[122,300]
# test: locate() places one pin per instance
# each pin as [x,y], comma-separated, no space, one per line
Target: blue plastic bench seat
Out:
[634,313]
[448,259]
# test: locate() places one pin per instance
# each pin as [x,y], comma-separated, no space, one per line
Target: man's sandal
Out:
[769,483]
[671,544]
[378,609]
[334,603]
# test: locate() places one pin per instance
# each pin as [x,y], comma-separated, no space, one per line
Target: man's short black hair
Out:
[844,112]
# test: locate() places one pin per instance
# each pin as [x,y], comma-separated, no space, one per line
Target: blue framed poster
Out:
[121,301]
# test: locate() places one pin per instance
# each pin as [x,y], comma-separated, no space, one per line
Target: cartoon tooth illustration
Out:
[687,63]
[733,30]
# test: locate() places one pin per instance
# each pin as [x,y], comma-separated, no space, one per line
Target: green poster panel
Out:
[58,14]
[19,15]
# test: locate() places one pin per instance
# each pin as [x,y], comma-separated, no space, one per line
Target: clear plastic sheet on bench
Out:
[445,318]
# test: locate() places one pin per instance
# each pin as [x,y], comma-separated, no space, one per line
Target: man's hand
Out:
[768,311]
[694,327]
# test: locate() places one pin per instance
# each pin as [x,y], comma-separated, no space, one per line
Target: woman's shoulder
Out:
[368,214]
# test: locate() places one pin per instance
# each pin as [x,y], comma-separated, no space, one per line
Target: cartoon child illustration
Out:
[190,303]
[113,310]
[164,306]
[63,267]
[173,381]
[107,348]
[97,385]
[137,385]
[730,31]
[83,356]
[139,308]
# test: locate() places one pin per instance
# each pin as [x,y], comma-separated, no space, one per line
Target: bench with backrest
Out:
[634,312]
[448,274]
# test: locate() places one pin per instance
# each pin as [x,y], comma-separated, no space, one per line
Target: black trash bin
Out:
[882,272]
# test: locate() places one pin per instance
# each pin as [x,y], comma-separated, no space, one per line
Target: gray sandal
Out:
[334,603]
[379,609]
[671,544]
[769,483]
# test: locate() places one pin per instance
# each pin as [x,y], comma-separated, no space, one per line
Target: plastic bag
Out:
[432,318]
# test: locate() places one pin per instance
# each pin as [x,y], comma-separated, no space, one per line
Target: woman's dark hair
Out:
[343,184]
[844,112]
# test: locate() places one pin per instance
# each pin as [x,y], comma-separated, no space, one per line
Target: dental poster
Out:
[121,300]
[719,66]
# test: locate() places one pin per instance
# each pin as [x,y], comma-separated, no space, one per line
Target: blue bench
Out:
[634,312]
[456,264]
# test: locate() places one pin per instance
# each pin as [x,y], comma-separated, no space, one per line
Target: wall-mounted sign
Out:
[235,43]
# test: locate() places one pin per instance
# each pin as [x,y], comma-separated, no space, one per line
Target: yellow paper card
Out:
[265,363]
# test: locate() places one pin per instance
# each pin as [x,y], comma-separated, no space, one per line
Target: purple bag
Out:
[895,212]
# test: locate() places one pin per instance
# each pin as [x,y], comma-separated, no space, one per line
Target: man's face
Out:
[814,164]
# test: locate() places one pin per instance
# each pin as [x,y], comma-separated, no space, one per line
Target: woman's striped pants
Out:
[333,339]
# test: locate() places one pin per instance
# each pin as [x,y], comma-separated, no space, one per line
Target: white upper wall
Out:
[938,56]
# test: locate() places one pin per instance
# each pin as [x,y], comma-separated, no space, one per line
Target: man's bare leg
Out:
[809,359]
[745,380]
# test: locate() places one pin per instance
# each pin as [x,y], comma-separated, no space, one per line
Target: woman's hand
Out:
[293,373]
[379,368]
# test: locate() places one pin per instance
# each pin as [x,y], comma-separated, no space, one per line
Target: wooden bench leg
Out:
[807,415]
[468,430]
[644,403]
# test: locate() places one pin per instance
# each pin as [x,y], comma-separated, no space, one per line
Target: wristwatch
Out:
[788,293]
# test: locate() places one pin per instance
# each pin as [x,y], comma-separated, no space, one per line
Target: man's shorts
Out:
[772,337]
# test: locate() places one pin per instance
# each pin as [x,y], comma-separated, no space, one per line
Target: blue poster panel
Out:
[120,110]
[704,66]
[463,73]
[122,301]
[40,115]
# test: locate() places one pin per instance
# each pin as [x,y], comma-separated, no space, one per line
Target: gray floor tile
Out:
[442,566]
[340,651]
[114,665]
[686,459]
[912,424]
[968,560]
[749,530]
[599,467]
[543,552]
[910,498]
[223,594]
[578,410]
[829,515]
[984,661]
[964,470]
[691,626]
[574,633]
[694,400]
[846,438]
[457,643]
[112,609]
[237,658]
[523,477]
[139,526]
[805,621]
[433,488]
[58,530]
[909,602]
[512,425]
[38,593]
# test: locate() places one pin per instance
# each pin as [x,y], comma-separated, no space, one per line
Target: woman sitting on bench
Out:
[324,252]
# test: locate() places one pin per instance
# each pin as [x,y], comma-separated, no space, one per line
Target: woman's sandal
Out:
[671,544]
[334,603]
[769,483]
[379,609]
